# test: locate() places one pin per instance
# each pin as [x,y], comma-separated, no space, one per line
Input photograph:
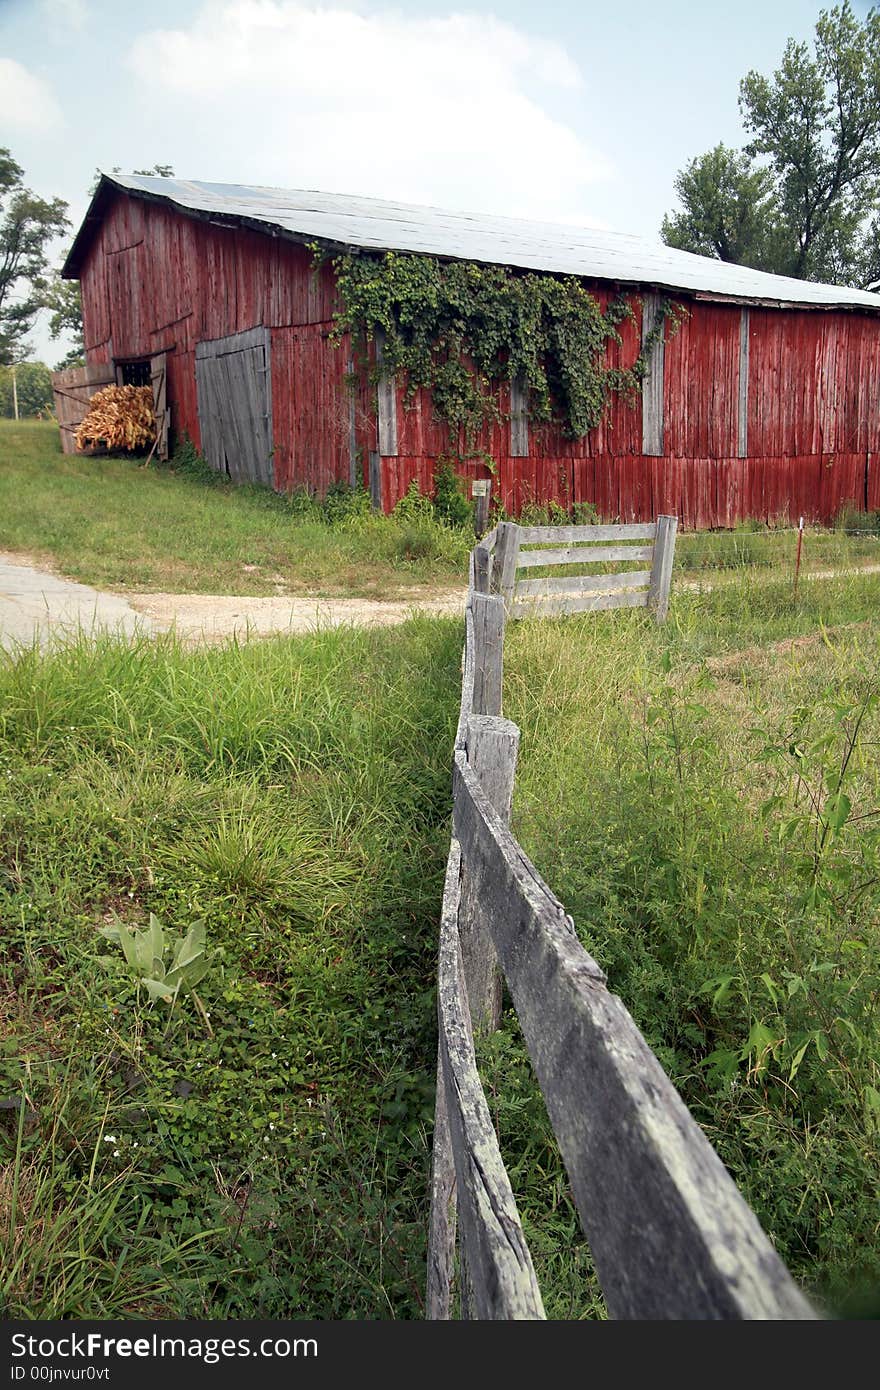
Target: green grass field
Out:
[269,1157]
[703,797]
[115,524]
[112,523]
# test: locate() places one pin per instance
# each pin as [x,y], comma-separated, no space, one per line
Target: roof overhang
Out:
[343,223]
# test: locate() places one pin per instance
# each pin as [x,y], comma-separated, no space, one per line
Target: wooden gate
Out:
[235,405]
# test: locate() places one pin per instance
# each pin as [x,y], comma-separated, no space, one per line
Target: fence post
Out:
[489,621]
[481,492]
[482,569]
[661,566]
[506,555]
[492,749]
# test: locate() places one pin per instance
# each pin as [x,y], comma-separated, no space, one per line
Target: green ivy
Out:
[460,329]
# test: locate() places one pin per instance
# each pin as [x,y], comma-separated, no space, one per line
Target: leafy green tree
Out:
[33,385]
[28,225]
[65,304]
[727,209]
[812,160]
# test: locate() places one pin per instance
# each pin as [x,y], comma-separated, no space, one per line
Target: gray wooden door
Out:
[233,380]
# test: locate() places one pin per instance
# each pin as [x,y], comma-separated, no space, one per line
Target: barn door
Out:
[160,403]
[235,405]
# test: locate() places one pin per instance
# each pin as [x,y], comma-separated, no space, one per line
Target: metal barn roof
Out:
[375,224]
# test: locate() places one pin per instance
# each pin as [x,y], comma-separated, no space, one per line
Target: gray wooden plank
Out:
[519,418]
[468,677]
[231,412]
[488,616]
[492,749]
[581,583]
[661,571]
[444,1208]
[578,603]
[482,556]
[652,383]
[442,1220]
[257,380]
[571,535]
[500,1267]
[386,401]
[268,459]
[258,336]
[161,413]
[505,562]
[742,431]
[209,427]
[482,500]
[582,555]
[669,1232]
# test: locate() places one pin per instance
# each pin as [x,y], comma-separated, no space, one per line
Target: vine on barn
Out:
[459,329]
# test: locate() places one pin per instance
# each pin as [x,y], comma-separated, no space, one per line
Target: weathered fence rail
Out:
[670,1235]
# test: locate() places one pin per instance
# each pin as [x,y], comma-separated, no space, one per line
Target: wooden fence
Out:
[670,1235]
[73,389]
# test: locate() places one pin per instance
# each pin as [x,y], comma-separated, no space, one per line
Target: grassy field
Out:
[704,799]
[263,1150]
[117,525]
[268,1157]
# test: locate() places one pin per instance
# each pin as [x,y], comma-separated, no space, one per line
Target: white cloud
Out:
[450,110]
[26,101]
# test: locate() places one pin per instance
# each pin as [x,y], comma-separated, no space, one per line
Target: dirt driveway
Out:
[35,604]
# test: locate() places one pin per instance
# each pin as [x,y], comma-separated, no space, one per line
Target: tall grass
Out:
[269,1160]
[703,798]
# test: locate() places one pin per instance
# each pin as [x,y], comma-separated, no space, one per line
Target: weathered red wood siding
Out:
[813,427]
[155,281]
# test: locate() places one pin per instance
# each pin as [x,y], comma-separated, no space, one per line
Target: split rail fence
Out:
[669,1233]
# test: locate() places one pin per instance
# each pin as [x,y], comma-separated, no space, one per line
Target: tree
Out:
[28,225]
[65,304]
[33,388]
[727,209]
[813,158]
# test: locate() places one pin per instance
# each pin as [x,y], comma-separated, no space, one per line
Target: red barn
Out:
[763,404]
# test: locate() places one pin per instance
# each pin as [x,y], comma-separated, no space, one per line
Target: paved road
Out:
[34,604]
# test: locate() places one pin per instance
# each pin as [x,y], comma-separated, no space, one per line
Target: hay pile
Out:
[119,417]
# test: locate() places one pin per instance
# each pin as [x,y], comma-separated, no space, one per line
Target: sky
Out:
[566,112]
